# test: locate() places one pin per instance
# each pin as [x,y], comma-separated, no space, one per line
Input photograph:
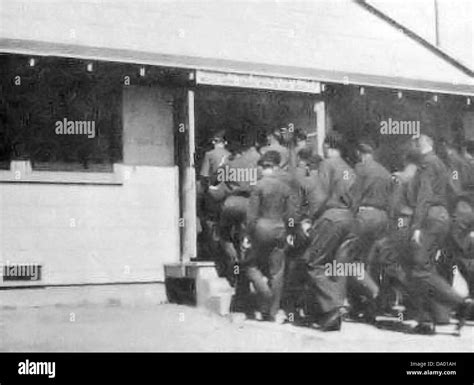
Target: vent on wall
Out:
[21,272]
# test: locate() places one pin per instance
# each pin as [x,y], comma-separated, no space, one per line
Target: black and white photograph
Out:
[237,176]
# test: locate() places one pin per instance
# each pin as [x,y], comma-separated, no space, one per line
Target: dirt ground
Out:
[171,328]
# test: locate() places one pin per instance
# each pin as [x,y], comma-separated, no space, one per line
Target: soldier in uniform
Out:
[208,197]
[212,195]
[274,140]
[308,197]
[388,256]
[215,158]
[370,192]
[461,240]
[334,221]
[271,210]
[239,174]
[301,140]
[430,228]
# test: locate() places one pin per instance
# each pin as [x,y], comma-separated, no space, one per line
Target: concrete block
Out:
[209,290]
[213,293]
[220,304]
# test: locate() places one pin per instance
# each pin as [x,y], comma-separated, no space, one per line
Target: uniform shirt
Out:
[298,180]
[213,159]
[336,178]
[372,186]
[252,155]
[460,239]
[467,176]
[271,198]
[429,187]
[399,201]
[240,172]
[312,195]
[457,169]
[283,151]
[301,147]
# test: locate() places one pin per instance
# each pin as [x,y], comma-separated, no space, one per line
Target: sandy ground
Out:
[170,327]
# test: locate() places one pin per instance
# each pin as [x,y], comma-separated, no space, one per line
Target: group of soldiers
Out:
[284,238]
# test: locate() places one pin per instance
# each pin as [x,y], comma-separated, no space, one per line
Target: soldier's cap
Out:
[235,147]
[276,132]
[314,161]
[270,159]
[219,136]
[365,147]
[300,134]
[426,135]
[305,153]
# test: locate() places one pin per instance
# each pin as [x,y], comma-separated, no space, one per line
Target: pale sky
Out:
[456,23]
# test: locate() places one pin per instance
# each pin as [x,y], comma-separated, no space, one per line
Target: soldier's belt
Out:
[367,208]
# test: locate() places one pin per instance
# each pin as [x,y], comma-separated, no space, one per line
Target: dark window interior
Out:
[248,112]
[34,98]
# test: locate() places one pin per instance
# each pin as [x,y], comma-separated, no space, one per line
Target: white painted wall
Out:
[102,233]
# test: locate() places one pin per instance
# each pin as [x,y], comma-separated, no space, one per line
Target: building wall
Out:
[103,233]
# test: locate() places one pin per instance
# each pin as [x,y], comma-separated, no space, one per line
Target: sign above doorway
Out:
[257,82]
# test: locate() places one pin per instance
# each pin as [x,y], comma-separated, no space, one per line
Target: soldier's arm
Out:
[253,209]
[205,167]
[291,211]
[425,193]
[462,231]
[357,189]
[316,198]
[302,202]
[325,175]
[395,199]
[321,194]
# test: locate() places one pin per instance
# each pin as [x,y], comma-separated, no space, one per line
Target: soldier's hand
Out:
[396,178]
[306,226]
[290,239]
[246,243]
[417,236]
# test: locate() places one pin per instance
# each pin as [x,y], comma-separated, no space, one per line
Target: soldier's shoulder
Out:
[341,163]
[383,169]
[223,151]
[326,163]
[212,153]
[257,186]
[360,167]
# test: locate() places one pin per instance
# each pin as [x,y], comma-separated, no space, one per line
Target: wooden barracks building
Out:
[106,107]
